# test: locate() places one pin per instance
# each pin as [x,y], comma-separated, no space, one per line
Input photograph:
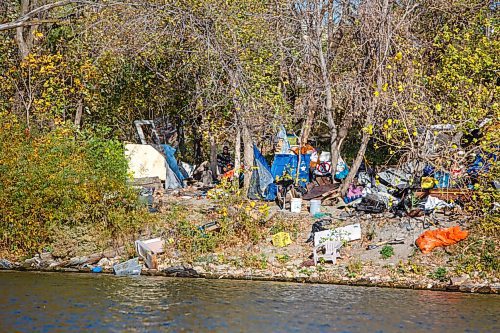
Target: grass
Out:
[354,268]
[439,274]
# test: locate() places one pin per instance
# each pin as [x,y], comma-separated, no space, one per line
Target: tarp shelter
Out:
[287,164]
[261,176]
[145,161]
[174,175]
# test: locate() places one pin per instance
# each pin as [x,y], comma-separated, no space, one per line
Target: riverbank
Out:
[251,255]
[188,272]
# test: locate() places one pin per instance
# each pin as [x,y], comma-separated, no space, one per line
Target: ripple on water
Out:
[69,302]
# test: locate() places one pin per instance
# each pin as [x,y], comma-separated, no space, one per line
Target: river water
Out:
[54,302]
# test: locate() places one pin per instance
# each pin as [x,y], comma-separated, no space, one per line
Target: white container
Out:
[296,205]
[130,267]
[315,207]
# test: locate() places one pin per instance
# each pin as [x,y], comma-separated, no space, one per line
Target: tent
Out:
[174,176]
[261,176]
[287,164]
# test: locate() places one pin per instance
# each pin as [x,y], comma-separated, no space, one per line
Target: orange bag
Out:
[440,237]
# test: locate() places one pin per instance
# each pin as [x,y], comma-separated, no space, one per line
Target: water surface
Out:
[52,302]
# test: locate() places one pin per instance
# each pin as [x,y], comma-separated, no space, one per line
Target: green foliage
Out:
[240,221]
[439,274]
[59,178]
[282,258]
[285,225]
[477,255]
[255,261]
[354,268]
[387,251]
[409,267]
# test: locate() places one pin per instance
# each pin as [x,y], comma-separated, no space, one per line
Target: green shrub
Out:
[477,255]
[354,268]
[59,178]
[387,251]
[439,274]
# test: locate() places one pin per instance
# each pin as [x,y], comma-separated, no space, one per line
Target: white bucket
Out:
[315,207]
[296,205]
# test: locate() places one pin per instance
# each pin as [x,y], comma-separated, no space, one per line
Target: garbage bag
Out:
[395,178]
[435,203]
[440,237]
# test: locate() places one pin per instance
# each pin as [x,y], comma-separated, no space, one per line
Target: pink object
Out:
[354,191]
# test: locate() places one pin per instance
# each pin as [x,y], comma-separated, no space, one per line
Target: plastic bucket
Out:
[315,207]
[296,205]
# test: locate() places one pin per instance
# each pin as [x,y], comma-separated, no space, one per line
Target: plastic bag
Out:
[440,237]
[427,183]
[281,239]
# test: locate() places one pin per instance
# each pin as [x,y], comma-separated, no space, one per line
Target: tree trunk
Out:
[197,142]
[356,164]
[237,151]
[213,157]
[79,113]
[382,41]
[327,86]
[20,38]
[307,125]
[182,136]
[247,156]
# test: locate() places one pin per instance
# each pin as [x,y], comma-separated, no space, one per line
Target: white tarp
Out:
[145,161]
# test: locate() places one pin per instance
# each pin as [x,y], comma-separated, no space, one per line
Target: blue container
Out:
[443,179]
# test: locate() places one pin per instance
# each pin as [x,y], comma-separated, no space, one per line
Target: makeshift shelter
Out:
[286,165]
[174,176]
[261,176]
[145,161]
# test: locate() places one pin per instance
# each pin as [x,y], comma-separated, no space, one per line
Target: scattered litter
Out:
[97,269]
[315,207]
[130,267]
[148,250]
[433,203]
[331,251]
[390,242]
[371,203]
[440,237]
[427,183]
[5,264]
[296,205]
[320,215]
[210,226]
[281,239]
[395,178]
[348,233]
[318,226]
[354,193]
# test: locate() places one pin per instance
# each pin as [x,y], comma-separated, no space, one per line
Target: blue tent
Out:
[261,176]
[172,164]
[287,164]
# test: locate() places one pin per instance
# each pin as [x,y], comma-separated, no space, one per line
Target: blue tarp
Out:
[261,176]
[171,161]
[287,163]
